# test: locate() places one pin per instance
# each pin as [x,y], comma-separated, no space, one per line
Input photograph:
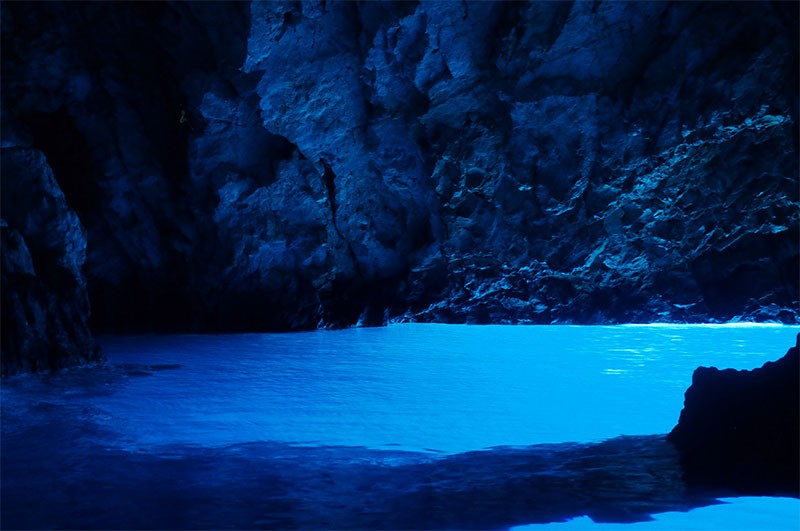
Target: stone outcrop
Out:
[45,305]
[740,430]
[283,166]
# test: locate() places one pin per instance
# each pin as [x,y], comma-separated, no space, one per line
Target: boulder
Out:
[739,430]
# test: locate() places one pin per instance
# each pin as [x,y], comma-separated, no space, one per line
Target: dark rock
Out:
[45,307]
[740,430]
[283,166]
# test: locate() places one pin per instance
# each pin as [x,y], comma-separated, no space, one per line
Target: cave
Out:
[399,265]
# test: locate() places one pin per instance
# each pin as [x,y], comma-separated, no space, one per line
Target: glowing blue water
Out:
[367,427]
[444,387]
[733,514]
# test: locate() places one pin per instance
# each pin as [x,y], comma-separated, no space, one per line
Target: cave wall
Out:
[540,162]
[288,165]
[43,296]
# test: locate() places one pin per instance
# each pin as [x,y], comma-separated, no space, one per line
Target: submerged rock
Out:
[740,430]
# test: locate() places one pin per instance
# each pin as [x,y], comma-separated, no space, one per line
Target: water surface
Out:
[449,388]
[407,426]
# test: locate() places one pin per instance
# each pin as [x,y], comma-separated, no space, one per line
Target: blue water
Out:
[348,428]
[733,514]
[448,388]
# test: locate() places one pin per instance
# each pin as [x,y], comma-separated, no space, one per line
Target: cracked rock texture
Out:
[288,165]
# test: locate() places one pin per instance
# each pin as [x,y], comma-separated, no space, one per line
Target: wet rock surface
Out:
[740,430]
[283,166]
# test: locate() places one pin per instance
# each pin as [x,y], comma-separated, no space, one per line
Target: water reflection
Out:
[278,485]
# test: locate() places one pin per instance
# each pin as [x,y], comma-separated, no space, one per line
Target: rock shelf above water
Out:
[740,430]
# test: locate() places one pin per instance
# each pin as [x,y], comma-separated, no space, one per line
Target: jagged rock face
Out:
[109,110]
[741,429]
[544,162]
[44,299]
[287,165]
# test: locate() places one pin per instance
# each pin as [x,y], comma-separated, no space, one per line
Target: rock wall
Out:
[287,165]
[543,162]
[43,297]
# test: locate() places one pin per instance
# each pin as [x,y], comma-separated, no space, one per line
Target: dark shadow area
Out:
[63,469]
[266,485]
[69,155]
